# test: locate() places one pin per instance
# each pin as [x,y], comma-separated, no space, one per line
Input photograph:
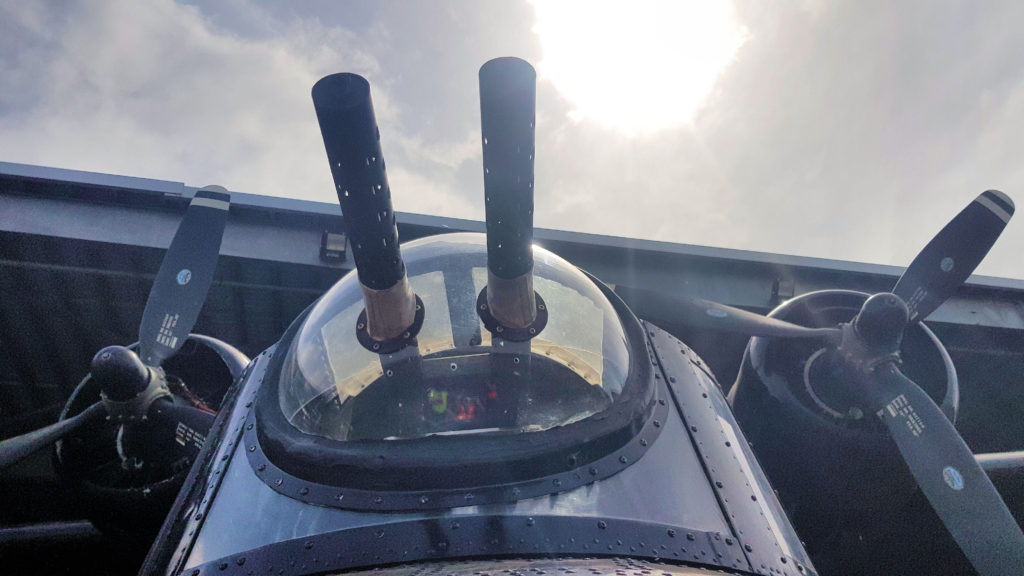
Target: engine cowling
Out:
[833,465]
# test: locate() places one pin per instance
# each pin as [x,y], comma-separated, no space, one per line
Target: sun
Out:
[636,67]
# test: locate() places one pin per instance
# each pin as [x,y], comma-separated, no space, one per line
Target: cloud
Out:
[836,131]
[155,89]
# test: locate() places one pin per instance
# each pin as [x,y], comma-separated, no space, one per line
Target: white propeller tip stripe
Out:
[211,202]
[996,209]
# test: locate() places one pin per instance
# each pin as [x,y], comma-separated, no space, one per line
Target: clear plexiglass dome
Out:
[455,379]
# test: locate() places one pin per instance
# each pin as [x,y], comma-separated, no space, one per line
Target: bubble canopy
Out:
[456,379]
[459,407]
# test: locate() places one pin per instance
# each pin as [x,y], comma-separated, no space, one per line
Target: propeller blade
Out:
[700,313]
[953,254]
[170,432]
[184,278]
[947,472]
[14,449]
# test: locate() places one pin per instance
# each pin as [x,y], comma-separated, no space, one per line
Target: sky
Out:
[848,130]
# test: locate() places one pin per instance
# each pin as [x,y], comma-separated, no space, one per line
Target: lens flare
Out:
[636,67]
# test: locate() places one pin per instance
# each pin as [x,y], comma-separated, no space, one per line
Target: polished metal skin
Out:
[667,506]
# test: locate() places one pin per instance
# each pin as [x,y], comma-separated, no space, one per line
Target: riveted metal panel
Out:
[756,516]
[674,503]
[540,567]
[665,490]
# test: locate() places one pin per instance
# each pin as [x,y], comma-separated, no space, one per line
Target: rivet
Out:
[661,401]
[252,448]
[602,524]
[657,424]
[728,541]
[693,428]
[690,536]
[376,346]
[727,443]
[240,560]
[424,499]
[379,533]
[261,467]
[454,525]
[529,521]
[748,547]
[593,471]
[483,306]
[468,497]
[672,379]
[783,559]
[671,533]
[223,566]
[556,482]
[643,441]
[248,426]
[499,329]
[718,483]
[360,326]
[378,500]
[279,481]
[753,497]
[248,404]
[623,459]
[303,491]
[199,515]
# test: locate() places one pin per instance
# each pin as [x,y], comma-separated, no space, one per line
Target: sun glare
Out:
[637,67]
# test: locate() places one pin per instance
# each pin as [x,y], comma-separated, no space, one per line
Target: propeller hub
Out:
[880,322]
[120,373]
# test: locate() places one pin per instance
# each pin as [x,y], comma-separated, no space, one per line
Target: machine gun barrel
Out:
[344,110]
[508,91]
